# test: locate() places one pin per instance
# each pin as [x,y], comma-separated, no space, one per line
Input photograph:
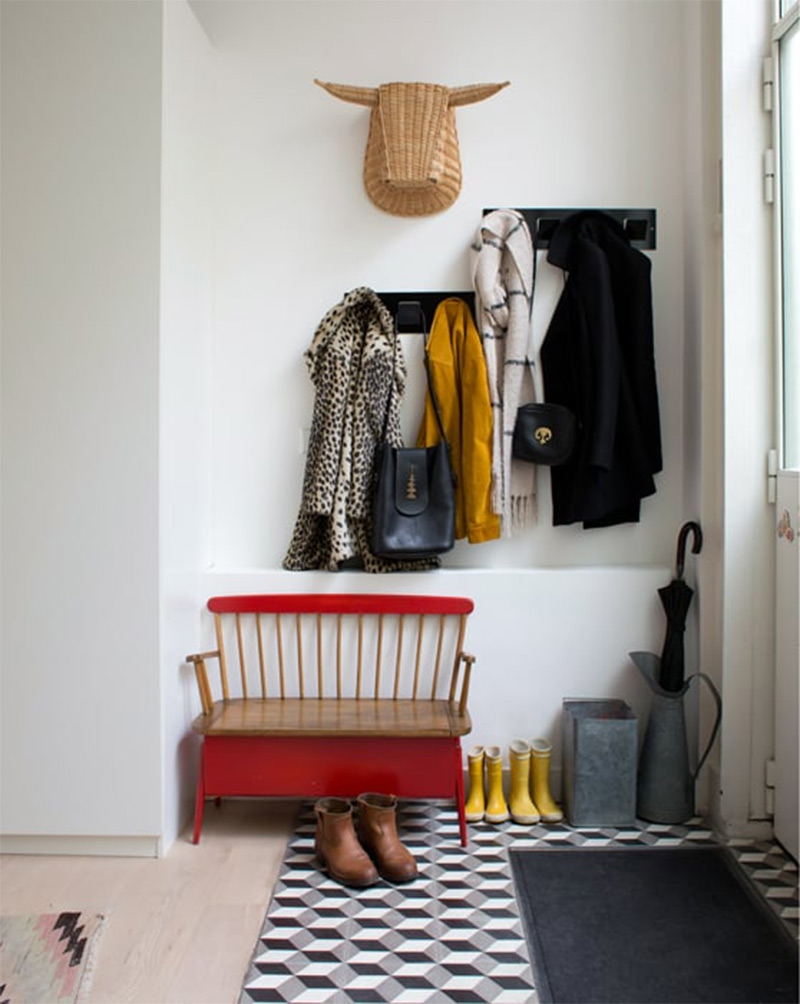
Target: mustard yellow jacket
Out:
[458,373]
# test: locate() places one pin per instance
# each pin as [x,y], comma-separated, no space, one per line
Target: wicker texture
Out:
[412,165]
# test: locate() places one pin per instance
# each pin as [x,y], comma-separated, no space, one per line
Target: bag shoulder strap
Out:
[432,393]
[410,315]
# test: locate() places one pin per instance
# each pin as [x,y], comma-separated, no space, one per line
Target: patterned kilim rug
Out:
[47,958]
[456,933]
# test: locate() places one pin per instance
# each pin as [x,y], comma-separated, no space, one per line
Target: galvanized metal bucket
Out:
[600,740]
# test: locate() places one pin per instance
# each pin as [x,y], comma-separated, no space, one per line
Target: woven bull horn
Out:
[357,95]
[412,165]
[474,92]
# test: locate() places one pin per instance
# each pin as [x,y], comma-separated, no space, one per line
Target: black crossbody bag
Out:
[544,432]
[413,503]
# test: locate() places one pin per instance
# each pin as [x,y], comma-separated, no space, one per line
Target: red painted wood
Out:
[200,796]
[345,603]
[345,766]
[460,796]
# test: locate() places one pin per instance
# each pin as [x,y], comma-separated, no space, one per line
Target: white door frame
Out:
[787,496]
[738,639]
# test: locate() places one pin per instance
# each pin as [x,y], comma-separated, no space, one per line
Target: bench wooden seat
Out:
[334,694]
[337,716]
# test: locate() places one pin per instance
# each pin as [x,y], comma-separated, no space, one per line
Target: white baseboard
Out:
[749,829]
[120,847]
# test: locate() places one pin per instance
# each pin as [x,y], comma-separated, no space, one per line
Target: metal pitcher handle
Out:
[715,693]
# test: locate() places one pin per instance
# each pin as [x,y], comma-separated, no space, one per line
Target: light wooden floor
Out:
[180,929]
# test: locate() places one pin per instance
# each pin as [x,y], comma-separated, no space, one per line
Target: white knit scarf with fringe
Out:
[502,277]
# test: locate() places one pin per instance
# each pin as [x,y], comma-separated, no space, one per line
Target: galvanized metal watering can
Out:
[665,783]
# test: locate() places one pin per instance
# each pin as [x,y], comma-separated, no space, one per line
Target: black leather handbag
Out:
[413,503]
[543,434]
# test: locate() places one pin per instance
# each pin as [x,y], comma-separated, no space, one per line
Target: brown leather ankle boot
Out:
[377,831]
[337,846]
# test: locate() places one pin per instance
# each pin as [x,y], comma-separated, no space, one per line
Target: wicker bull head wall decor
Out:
[412,165]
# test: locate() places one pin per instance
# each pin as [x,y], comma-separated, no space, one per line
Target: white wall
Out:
[703,392]
[264,225]
[594,116]
[81,121]
[186,322]
[538,636]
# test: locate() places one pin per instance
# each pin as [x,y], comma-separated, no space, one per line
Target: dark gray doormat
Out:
[650,926]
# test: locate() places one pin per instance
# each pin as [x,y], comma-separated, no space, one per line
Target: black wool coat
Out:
[598,360]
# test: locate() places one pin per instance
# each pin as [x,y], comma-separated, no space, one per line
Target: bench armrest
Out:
[468,661]
[199,661]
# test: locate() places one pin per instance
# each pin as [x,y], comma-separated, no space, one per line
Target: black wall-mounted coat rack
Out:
[429,300]
[639,224]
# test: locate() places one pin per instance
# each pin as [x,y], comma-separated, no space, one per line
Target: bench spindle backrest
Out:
[351,645]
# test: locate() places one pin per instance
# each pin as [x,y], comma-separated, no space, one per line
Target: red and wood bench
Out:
[334,694]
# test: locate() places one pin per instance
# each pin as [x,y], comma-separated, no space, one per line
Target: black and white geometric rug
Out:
[455,933]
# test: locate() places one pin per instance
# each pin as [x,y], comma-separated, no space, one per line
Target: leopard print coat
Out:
[352,362]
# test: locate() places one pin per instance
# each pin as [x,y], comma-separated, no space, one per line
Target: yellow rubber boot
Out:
[475,806]
[496,808]
[540,777]
[520,805]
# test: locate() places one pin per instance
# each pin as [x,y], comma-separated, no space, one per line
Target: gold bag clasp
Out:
[543,435]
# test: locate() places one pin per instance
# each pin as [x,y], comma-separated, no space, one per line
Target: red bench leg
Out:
[200,796]
[460,795]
